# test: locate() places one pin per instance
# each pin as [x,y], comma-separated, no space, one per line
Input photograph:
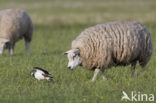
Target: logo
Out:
[137,96]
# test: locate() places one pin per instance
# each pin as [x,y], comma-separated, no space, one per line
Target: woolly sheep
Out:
[111,44]
[14,25]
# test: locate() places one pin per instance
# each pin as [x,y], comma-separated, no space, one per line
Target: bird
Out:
[41,74]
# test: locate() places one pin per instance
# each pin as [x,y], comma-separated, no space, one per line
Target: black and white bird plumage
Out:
[41,74]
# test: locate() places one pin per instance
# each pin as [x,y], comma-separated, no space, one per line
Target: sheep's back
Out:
[14,23]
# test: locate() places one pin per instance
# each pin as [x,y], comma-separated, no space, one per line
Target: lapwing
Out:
[41,74]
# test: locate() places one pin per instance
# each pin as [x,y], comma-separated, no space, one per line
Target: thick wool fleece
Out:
[15,24]
[114,43]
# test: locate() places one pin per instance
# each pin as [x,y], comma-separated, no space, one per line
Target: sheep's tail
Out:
[143,62]
[147,49]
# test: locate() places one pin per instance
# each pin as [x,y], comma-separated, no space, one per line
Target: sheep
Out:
[14,25]
[111,44]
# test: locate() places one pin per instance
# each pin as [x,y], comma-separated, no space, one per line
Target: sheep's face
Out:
[74,58]
[2,44]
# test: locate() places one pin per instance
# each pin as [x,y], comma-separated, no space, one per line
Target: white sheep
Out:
[14,25]
[111,44]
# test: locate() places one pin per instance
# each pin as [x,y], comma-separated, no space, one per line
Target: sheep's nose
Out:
[69,67]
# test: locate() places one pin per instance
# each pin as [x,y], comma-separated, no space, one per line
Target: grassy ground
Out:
[56,24]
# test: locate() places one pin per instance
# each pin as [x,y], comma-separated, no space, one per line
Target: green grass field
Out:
[56,24]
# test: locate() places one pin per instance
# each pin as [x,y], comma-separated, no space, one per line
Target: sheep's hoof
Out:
[104,78]
[93,80]
[10,55]
[132,75]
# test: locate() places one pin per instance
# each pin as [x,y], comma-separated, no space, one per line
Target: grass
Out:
[56,24]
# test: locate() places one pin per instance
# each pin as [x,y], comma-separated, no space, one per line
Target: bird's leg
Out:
[95,74]
[133,65]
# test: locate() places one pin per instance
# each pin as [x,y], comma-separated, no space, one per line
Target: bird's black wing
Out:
[47,75]
[46,72]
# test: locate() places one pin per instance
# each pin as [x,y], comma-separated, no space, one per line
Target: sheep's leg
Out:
[27,47]
[103,77]
[11,51]
[133,65]
[27,38]
[95,74]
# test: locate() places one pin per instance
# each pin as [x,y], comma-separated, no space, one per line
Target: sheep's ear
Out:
[77,51]
[65,53]
[4,40]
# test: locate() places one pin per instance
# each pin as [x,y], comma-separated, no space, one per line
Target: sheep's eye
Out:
[74,57]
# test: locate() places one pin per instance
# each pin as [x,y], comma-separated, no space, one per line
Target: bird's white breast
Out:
[39,75]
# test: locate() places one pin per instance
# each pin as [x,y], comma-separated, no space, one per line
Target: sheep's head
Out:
[3,43]
[74,59]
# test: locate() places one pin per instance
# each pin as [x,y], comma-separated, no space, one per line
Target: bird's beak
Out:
[32,72]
